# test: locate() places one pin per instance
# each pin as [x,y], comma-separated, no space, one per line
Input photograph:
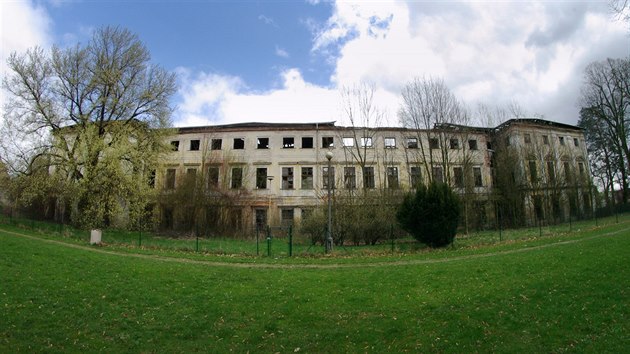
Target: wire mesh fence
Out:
[287,241]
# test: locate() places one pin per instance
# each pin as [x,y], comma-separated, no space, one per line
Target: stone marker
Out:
[95,237]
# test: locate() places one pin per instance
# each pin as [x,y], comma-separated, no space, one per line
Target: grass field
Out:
[563,292]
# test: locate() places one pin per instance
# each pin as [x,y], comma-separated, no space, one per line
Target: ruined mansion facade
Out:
[249,174]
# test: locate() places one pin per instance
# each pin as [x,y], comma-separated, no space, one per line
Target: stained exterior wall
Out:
[294,179]
[552,167]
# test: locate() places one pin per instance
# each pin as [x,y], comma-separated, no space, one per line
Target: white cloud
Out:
[529,53]
[220,99]
[281,52]
[24,25]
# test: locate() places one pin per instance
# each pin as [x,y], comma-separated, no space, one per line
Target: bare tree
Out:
[363,117]
[491,116]
[96,113]
[606,99]
[620,9]
[432,110]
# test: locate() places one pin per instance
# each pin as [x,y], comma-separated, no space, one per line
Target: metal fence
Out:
[287,241]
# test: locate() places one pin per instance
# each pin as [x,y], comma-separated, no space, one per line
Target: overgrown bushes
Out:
[431,215]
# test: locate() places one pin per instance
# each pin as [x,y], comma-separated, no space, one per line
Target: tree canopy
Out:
[94,115]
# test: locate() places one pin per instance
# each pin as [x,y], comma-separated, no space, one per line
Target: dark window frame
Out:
[216,144]
[238,144]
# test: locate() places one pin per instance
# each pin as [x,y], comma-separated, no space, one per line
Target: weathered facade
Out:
[265,173]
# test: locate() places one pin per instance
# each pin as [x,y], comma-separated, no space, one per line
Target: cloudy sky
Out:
[285,61]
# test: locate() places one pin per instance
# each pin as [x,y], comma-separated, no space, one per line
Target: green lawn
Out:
[564,292]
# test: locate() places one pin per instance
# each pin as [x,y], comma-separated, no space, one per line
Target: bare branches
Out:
[88,109]
[605,102]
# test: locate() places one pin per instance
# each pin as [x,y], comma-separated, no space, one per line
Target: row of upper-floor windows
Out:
[551,168]
[326,142]
[529,138]
[348,179]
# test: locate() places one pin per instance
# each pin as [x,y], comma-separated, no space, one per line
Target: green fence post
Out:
[257,246]
[268,241]
[391,235]
[290,240]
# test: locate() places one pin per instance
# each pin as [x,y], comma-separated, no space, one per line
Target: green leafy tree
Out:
[431,214]
[96,114]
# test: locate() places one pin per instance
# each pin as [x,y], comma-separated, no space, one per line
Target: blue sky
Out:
[285,61]
[255,39]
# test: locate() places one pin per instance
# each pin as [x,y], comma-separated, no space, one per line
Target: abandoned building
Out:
[250,174]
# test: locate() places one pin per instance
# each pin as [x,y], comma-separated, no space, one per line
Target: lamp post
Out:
[269,179]
[329,240]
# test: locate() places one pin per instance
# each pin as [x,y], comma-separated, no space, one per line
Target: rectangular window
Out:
[477,177]
[237,178]
[327,141]
[581,168]
[545,140]
[216,144]
[261,178]
[194,145]
[416,177]
[454,144]
[533,173]
[551,172]
[287,178]
[349,178]
[239,143]
[191,176]
[458,177]
[472,144]
[434,143]
[392,177]
[287,216]
[576,142]
[567,172]
[175,145]
[438,175]
[288,142]
[366,142]
[328,177]
[587,201]
[213,177]
[347,142]
[561,139]
[261,218]
[307,142]
[412,143]
[170,178]
[368,178]
[236,218]
[152,179]
[307,178]
[527,138]
[262,143]
[390,143]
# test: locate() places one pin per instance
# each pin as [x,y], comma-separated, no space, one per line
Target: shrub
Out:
[431,214]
